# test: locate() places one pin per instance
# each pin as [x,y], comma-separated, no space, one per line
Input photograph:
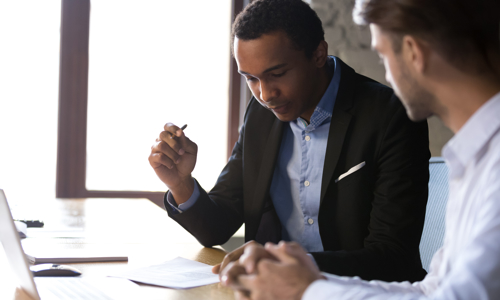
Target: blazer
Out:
[370,221]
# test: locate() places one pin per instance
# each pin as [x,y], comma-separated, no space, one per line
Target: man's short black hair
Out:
[295,17]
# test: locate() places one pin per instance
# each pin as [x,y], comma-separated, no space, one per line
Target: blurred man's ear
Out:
[320,55]
[415,53]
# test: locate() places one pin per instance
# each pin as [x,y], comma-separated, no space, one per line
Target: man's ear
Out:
[320,55]
[415,53]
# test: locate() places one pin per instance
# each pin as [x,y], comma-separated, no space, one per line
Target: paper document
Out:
[95,288]
[178,273]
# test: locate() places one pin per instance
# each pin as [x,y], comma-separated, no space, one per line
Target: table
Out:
[135,227]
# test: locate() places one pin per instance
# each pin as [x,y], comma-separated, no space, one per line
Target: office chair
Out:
[434,226]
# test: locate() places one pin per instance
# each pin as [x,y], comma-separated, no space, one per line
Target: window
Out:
[29,76]
[125,73]
[150,62]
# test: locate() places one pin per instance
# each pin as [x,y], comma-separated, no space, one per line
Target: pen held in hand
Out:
[182,128]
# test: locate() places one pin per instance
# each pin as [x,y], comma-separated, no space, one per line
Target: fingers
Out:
[241,295]
[230,275]
[292,253]
[292,248]
[252,254]
[175,138]
[246,282]
[216,269]
[295,250]
[173,129]
[230,257]
[164,148]
[281,254]
[162,154]
[170,146]
[234,255]
[175,144]
[157,160]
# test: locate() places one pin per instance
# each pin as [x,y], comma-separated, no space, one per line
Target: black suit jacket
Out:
[370,222]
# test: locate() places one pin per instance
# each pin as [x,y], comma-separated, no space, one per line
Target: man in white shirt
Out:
[442,58]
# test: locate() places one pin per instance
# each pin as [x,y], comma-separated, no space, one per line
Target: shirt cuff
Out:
[186,205]
[316,290]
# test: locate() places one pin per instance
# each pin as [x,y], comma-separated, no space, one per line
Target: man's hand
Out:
[287,278]
[173,158]
[248,255]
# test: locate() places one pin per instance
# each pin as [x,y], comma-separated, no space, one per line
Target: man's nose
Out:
[267,92]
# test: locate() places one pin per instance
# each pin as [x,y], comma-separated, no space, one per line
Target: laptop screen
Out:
[13,249]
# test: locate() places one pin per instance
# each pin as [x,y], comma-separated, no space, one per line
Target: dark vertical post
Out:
[234,90]
[73,81]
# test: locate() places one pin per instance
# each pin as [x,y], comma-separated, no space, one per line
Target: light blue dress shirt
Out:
[296,184]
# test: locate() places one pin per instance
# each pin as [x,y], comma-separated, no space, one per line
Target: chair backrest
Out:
[434,226]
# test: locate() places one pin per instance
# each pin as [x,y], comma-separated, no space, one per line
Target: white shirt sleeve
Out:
[473,274]
[336,287]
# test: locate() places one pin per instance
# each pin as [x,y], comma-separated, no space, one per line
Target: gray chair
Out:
[434,226]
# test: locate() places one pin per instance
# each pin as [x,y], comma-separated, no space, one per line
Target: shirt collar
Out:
[324,109]
[466,145]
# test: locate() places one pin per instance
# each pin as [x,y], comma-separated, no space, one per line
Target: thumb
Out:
[216,269]
[295,250]
[279,251]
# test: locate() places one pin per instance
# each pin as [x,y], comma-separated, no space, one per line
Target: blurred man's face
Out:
[417,101]
[280,77]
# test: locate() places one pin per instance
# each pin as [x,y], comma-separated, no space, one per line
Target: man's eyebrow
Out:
[243,72]
[275,67]
[266,71]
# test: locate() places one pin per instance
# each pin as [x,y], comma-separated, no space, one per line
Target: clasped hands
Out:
[282,271]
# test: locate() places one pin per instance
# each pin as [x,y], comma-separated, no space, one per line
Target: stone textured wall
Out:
[351,43]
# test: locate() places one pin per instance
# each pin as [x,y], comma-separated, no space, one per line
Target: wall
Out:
[351,43]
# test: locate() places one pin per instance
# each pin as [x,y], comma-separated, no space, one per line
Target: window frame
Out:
[73,103]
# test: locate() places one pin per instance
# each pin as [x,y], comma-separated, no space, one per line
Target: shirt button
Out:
[310,221]
[307,183]
[308,138]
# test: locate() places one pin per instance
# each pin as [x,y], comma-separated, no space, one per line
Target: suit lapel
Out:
[266,171]
[339,124]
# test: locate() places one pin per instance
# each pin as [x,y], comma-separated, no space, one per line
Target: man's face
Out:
[417,100]
[280,77]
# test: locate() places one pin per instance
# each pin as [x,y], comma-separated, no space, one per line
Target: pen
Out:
[182,128]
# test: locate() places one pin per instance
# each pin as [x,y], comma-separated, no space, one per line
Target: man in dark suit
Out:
[326,157]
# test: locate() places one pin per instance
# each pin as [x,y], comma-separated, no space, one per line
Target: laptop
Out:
[54,287]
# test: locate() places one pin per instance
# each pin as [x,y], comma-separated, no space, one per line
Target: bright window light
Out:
[29,79]
[153,62]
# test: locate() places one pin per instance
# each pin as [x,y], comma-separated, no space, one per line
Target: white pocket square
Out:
[351,170]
